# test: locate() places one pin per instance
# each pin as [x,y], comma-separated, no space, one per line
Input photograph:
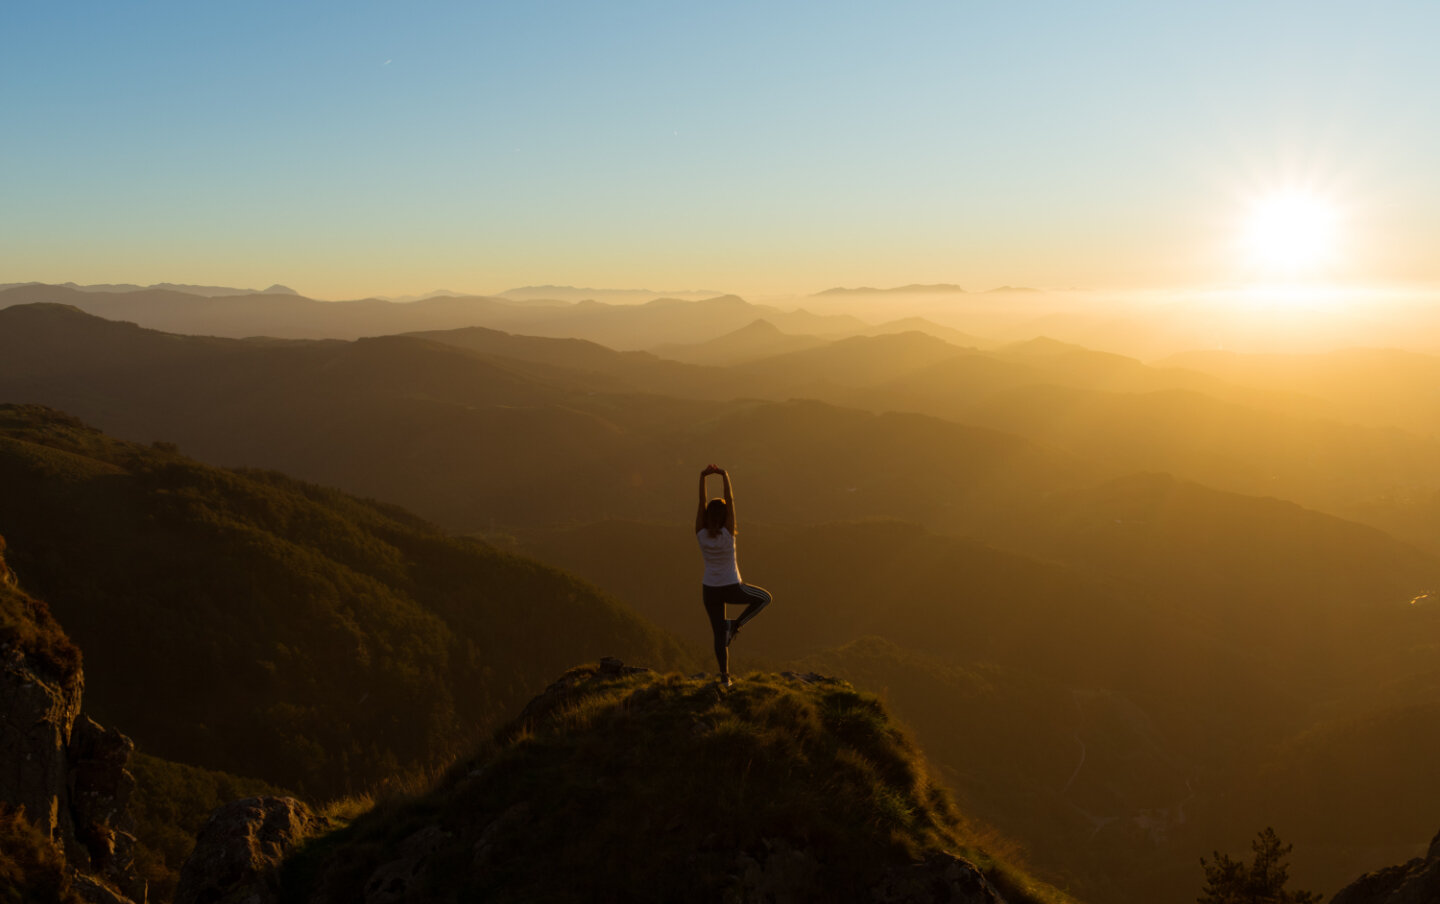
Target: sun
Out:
[1291,234]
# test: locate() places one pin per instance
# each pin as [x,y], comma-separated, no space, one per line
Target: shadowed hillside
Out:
[252,623]
[622,784]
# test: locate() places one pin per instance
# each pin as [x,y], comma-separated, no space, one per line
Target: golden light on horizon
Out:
[1292,235]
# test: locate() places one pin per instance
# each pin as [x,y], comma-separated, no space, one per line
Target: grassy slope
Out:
[26,623]
[653,787]
[252,623]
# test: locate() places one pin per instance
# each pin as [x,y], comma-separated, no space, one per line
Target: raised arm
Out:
[729,500]
[700,510]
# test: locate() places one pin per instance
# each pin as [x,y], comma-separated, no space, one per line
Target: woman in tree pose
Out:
[715,529]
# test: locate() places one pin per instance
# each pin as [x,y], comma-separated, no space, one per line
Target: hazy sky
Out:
[354,148]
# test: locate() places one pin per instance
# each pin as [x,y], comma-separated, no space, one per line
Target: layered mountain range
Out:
[1132,613]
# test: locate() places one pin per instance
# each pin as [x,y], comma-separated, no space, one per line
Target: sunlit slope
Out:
[1267,440]
[1279,438]
[249,622]
[654,787]
[1274,439]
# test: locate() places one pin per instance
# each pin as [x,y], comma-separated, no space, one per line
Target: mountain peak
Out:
[758,328]
[657,786]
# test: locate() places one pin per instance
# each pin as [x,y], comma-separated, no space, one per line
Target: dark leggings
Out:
[748,595]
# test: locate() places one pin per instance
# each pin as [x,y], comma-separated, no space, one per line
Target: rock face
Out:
[36,718]
[238,849]
[99,787]
[1416,882]
[66,771]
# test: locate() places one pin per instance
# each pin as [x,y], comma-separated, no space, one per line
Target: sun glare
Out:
[1292,235]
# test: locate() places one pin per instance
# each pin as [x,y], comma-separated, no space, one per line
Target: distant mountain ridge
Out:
[919,289]
[620,326]
[912,289]
[203,291]
[614,296]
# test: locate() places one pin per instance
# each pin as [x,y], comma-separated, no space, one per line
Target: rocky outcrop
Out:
[67,772]
[1416,882]
[36,718]
[238,849]
[99,787]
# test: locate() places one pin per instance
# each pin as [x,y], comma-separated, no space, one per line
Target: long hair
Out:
[716,512]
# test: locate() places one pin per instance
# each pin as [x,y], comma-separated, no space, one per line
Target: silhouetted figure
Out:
[715,529]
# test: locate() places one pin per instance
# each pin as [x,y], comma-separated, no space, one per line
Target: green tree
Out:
[1230,881]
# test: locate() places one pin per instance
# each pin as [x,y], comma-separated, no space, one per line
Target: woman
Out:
[715,529]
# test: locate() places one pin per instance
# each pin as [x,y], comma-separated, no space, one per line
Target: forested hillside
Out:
[245,621]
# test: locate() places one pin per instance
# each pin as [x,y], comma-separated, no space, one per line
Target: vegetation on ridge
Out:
[26,624]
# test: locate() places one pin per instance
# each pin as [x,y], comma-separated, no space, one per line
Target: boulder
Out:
[238,849]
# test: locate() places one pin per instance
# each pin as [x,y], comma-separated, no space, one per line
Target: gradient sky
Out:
[346,149]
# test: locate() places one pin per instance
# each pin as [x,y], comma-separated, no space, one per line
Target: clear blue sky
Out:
[356,148]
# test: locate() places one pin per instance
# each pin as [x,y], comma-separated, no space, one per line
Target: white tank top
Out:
[719,553]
